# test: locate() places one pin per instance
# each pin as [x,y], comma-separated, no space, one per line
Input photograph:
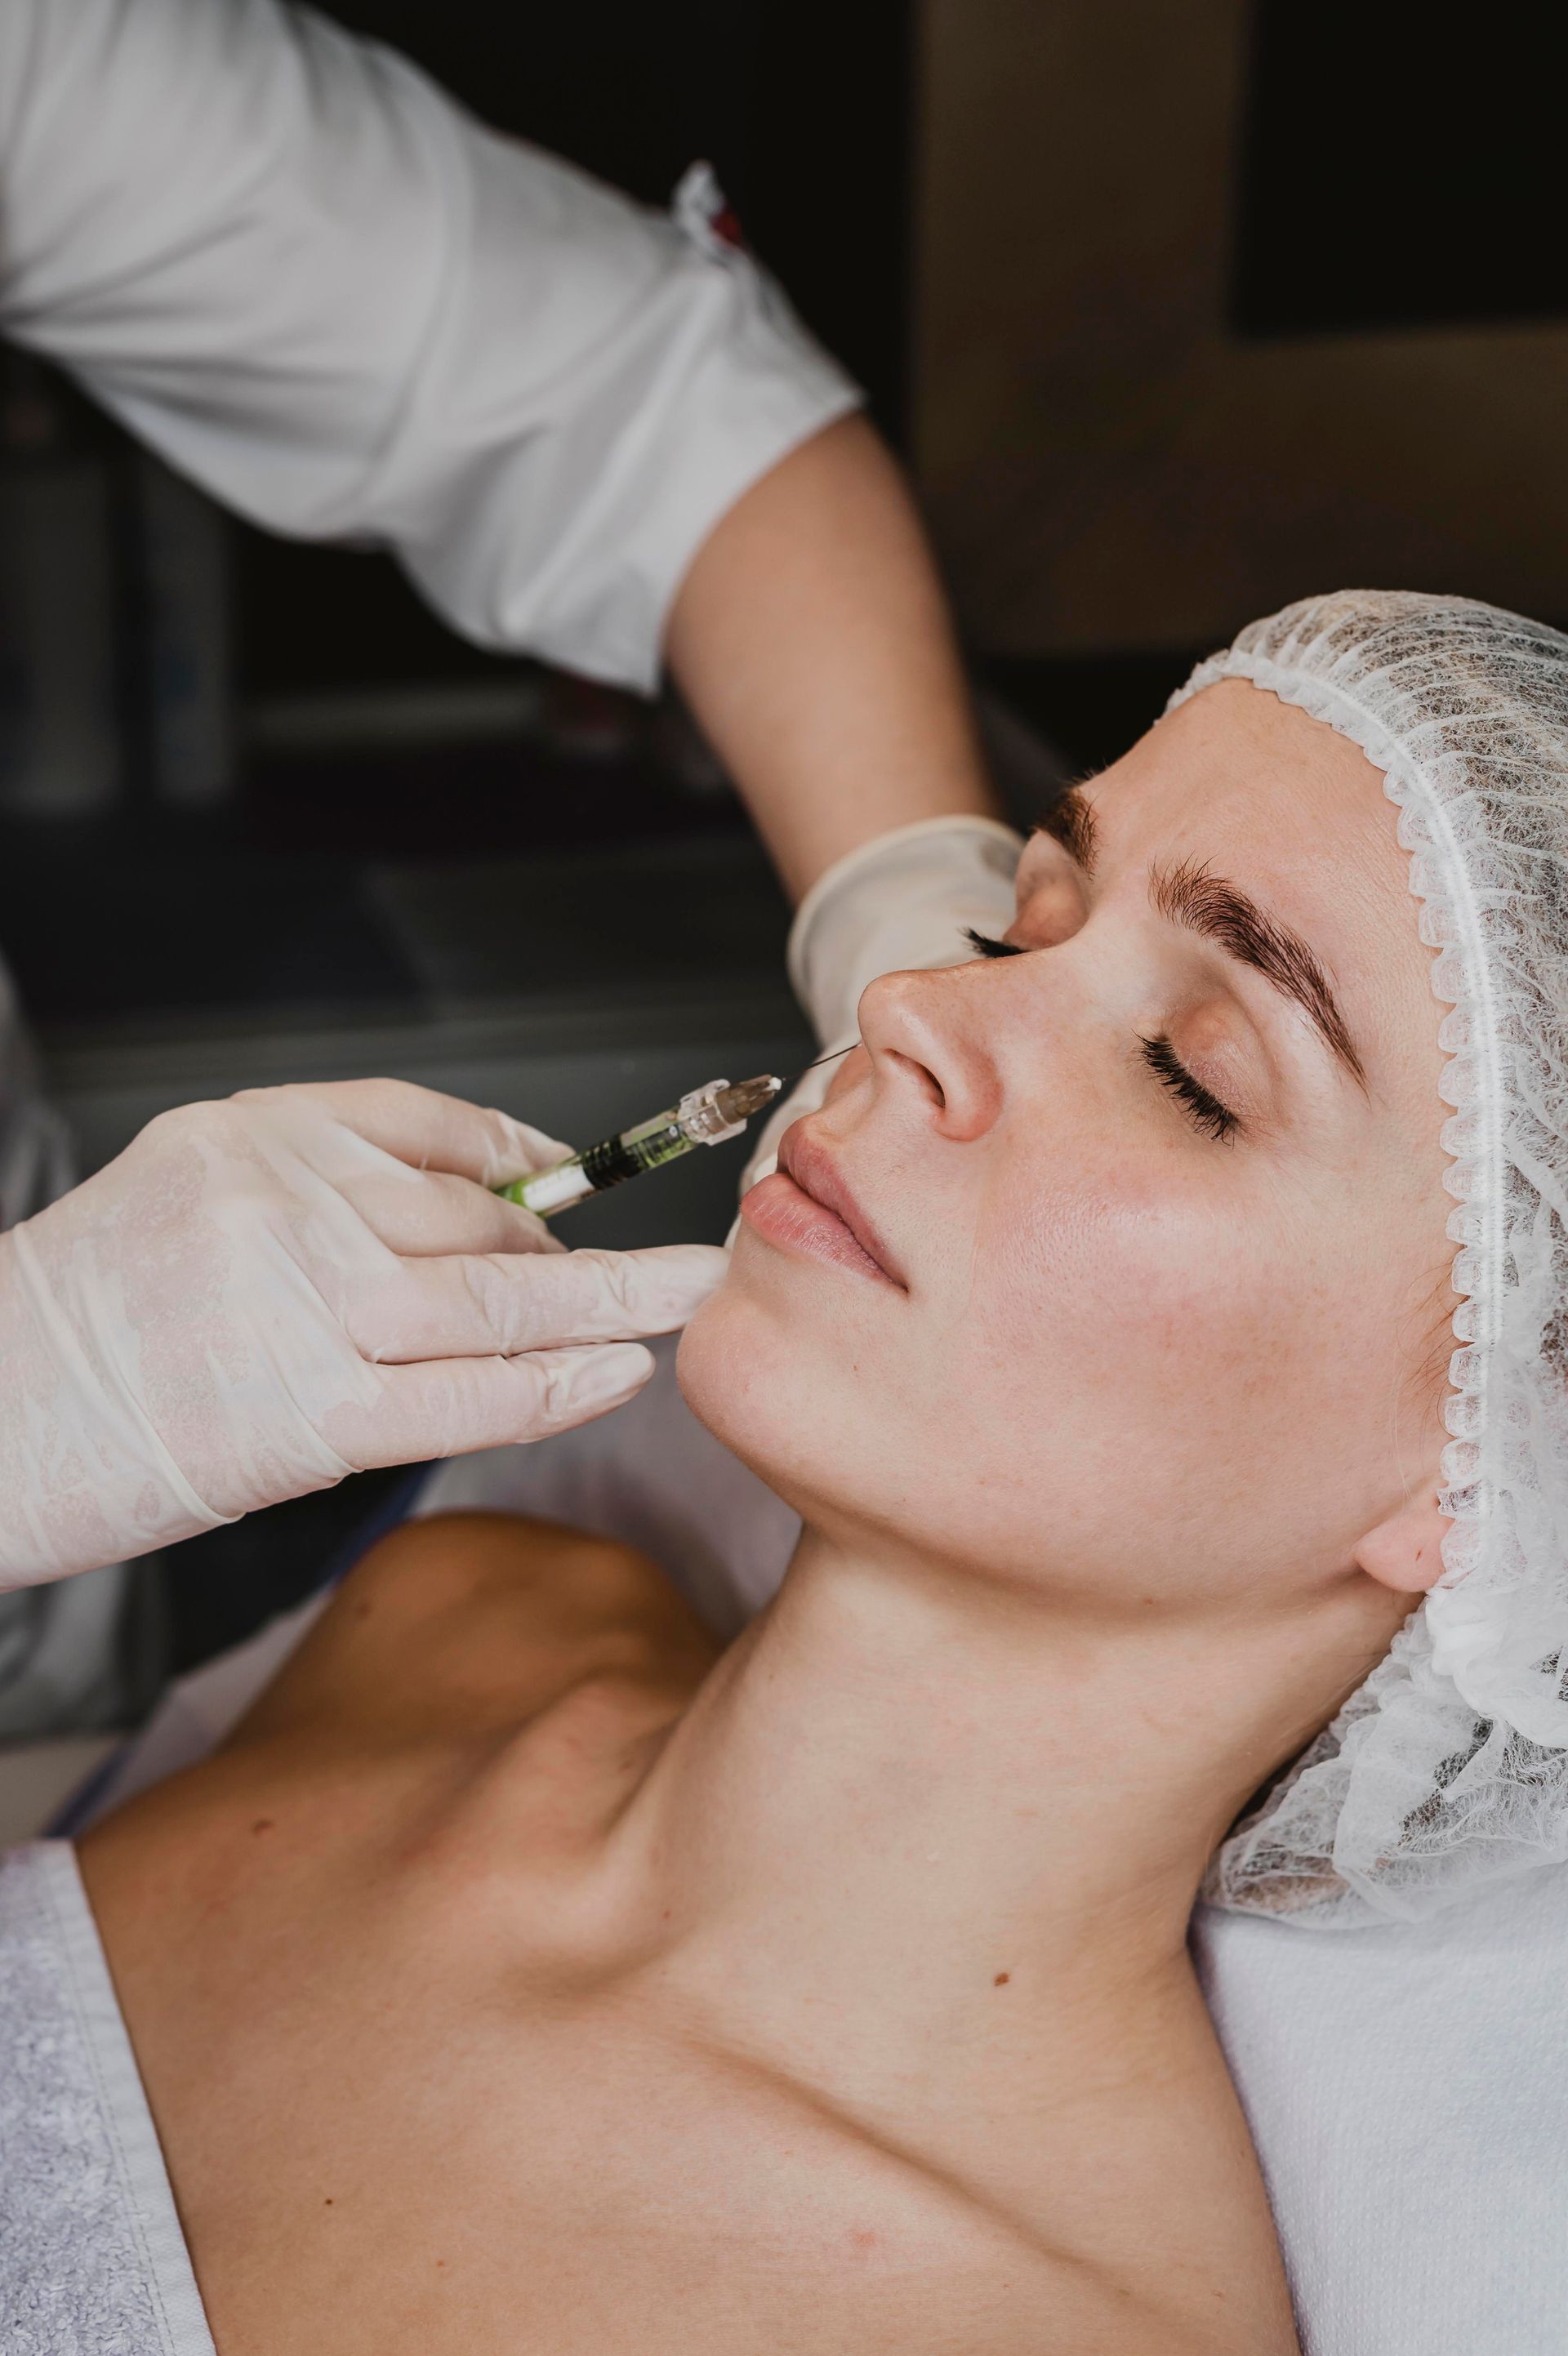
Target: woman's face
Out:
[1150,1291]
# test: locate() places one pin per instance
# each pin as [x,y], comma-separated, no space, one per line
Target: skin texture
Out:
[521,1976]
[812,639]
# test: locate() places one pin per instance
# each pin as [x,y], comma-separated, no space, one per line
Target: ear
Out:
[1406,1551]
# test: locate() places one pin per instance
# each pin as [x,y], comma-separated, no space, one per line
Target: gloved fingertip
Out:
[674,1279]
[521,1151]
[703,1263]
[603,1378]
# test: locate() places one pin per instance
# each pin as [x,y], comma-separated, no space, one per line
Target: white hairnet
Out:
[1450,1766]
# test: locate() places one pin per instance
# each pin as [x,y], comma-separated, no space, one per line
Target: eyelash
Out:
[1213,1117]
[1215,1120]
[988,946]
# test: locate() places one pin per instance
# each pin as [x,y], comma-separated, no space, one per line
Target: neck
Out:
[900,1792]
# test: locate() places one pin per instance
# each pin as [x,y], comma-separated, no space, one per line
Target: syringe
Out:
[705,1116]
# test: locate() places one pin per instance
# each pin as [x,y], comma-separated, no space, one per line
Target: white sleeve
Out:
[286,259]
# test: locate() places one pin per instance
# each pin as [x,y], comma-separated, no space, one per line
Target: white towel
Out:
[92,2260]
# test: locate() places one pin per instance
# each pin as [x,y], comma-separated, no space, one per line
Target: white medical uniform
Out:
[295,267]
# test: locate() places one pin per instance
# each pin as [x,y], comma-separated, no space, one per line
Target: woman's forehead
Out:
[1234,774]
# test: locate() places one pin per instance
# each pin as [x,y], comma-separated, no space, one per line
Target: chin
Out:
[723,1360]
[746,1373]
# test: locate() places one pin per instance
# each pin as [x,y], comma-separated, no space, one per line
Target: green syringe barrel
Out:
[707,1116]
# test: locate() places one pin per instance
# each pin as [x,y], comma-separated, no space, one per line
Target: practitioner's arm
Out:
[812,640]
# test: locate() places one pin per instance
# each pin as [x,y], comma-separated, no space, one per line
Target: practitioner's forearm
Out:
[813,642]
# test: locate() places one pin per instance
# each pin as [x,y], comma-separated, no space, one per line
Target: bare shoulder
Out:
[462,1648]
[473,1622]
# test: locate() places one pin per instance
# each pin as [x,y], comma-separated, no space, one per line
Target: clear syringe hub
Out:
[711,1115]
[706,1116]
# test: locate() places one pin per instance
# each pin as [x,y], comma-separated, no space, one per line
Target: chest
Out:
[563,2184]
[402,2110]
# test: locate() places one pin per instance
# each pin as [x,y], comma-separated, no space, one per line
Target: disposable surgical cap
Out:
[1449,1767]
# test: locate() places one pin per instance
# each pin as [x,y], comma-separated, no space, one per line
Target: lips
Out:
[807,1207]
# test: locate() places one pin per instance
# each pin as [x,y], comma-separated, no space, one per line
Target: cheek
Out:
[1173,1353]
[1106,1267]
[1171,1330]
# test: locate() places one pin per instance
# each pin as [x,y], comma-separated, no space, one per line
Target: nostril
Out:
[923,1074]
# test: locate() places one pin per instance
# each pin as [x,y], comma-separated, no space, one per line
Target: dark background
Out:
[1395,171]
[1400,168]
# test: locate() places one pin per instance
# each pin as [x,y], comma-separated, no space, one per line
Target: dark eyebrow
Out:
[1071,822]
[1190,895]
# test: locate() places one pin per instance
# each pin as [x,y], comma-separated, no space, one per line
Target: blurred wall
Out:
[1129,430]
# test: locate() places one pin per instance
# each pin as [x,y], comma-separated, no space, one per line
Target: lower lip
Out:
[786,1214]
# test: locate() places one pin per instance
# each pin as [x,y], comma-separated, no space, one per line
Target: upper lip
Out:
[808,1162]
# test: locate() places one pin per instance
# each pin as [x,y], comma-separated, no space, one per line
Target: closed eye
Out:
[1215,1120]
[1209,1115]
[988,947]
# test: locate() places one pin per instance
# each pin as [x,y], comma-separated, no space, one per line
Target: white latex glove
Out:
[262,1295]
[899,904]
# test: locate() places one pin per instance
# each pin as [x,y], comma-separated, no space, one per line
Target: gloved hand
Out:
[899,904]
[262,1295]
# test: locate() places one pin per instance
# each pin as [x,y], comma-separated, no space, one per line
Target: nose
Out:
[924,1035]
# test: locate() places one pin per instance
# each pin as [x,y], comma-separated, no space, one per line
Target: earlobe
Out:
[1406,1551]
